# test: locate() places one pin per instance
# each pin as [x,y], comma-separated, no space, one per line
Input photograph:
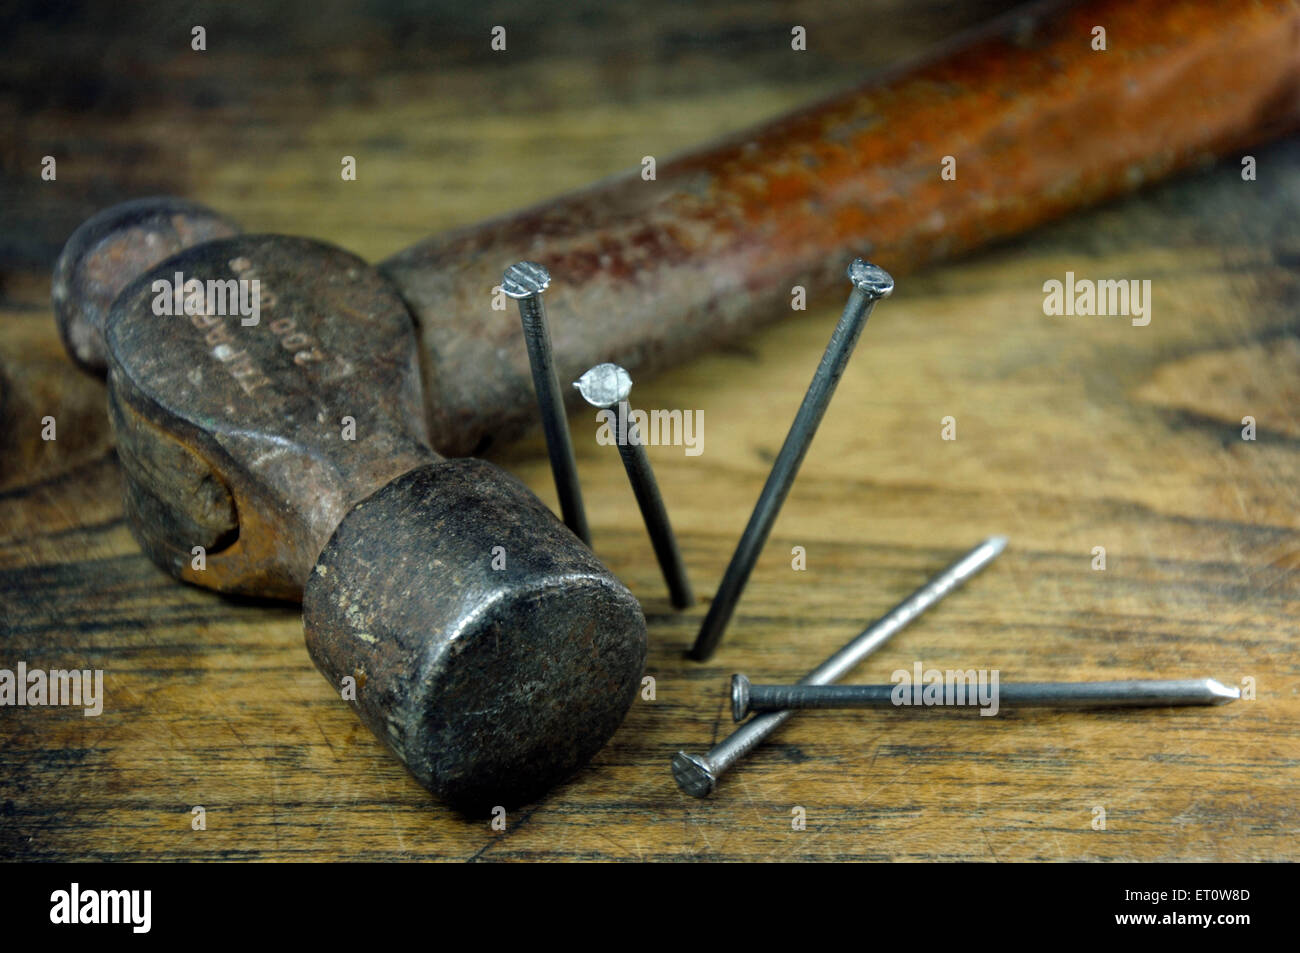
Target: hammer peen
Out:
[1037,121]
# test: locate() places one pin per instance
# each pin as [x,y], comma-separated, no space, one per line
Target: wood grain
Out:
[1072,432]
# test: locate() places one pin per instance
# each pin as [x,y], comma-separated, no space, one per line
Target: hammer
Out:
[1035,119]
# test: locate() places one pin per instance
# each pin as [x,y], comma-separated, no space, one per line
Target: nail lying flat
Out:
[697,775]
[525,282]
[607,386]
[747,697]
[870,284]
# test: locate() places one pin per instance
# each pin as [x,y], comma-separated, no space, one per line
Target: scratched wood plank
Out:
[1072,432]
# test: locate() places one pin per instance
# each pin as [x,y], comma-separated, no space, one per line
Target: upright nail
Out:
[747,697]
[525,282]
[607,386]
[698,775]
[870,284]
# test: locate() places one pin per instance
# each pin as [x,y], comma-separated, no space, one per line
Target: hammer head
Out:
[476,636]
[259,386]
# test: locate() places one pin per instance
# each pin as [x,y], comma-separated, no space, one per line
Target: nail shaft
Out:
[698,775]
[870,284]
[525,282]
[747,697]
[648,498]
[607,386]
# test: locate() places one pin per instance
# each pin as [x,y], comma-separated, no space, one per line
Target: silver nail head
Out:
[525,280]
[739,697]
[869,279]
[604,385]
[694,775]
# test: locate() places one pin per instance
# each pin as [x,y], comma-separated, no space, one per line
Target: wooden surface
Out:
[1072,432]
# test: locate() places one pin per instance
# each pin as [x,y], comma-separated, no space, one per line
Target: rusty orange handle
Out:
[648,273]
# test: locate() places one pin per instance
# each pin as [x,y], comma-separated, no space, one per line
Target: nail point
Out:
[1222,693]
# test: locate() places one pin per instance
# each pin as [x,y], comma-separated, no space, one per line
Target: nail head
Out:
[739,697]
[604,385]
[525,279]
[871,279]
[693,774]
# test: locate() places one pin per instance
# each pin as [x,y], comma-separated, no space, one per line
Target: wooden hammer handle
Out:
[1037,121]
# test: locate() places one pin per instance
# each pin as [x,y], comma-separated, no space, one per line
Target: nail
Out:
[870,284]
[607,386]
[525,282]
[747,697]
[698,775]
